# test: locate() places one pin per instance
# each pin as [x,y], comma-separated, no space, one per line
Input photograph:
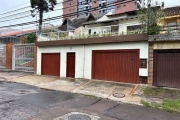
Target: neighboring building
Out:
[172,19]
[14,37]
[164,52]
[82,8]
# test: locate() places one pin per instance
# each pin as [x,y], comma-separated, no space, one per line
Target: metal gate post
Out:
[13,58]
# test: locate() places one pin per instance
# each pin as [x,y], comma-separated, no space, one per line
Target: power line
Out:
[14,7]
[17,18]
[66,15]
[47,13]
[55,6]
[28,7]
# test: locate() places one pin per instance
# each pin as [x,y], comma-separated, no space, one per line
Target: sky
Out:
[9,10]
[12,5]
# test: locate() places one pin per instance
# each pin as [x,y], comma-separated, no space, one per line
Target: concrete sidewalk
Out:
[127,93]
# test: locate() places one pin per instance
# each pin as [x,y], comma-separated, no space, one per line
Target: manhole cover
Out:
[79,117]
[118,95]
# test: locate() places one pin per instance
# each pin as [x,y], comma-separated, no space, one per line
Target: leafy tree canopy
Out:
[149,17]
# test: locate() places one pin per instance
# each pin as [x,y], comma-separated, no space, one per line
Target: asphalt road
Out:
[24,102]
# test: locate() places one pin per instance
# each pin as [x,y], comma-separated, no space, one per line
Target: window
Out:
[74,10]
[74,3]
[172,26]
[69,9]
[70,4]
[124,5]
[134,27]
[118,7]
[94,33]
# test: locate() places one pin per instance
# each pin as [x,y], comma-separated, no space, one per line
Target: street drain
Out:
[79,117]
[118,95]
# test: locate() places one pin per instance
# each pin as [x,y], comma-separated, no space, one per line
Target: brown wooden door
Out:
[116,65]
[50,64]
[166,68]
[70,65]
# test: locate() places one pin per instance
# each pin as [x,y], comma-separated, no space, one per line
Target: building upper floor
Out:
[82,8]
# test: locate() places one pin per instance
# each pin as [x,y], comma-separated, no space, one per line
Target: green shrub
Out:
[31,37]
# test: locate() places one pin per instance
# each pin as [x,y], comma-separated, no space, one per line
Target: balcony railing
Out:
[170,29]
[71,35]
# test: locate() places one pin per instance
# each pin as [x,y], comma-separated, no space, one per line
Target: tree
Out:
[42,6]
[149,16]
[31,37]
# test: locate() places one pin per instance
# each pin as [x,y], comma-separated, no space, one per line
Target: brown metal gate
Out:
[50,64]
[166,68]
[116,65]
[70,65]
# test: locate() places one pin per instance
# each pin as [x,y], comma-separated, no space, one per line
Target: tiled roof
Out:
[18,33]
[72,24]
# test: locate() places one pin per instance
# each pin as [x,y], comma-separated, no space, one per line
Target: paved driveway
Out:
[21,102]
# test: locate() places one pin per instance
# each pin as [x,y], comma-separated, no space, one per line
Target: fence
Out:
[23,57]
[2,56]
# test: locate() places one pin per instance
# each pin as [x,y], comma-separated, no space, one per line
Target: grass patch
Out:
[154,91]
[171,105]
[162,93]
[144,103]
[167,105]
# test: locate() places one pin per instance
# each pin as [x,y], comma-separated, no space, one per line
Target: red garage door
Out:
[116,65]
[50,64]
[70,65]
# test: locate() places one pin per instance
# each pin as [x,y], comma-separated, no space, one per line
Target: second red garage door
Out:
[116,65]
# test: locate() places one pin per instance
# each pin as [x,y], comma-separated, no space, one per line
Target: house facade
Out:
[116,57]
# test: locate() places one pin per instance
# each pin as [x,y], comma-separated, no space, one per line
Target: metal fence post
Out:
[13,58]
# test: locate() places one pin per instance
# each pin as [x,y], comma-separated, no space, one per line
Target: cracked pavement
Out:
[24,102]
